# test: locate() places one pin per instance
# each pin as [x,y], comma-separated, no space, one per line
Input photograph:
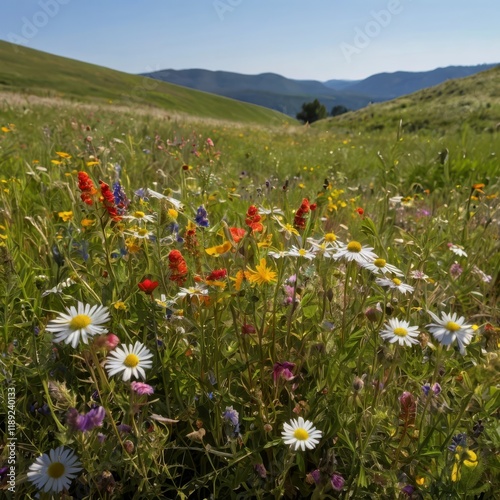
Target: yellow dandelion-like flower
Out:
[239,278]
[88,222]
[262,274]
[64,155]
[219,249]
[66,216]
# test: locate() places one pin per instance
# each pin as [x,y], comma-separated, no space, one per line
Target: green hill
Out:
[34,72]
[474,101]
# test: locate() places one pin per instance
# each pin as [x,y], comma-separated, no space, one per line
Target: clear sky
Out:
[303,39]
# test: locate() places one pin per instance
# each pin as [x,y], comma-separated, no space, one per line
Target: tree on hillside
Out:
[312,111]
[339,110]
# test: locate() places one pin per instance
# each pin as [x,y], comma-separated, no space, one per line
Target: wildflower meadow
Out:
[197,309]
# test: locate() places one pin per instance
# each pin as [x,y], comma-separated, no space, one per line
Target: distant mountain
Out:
[287,95]
[385,86]
[267,89]
[340,84]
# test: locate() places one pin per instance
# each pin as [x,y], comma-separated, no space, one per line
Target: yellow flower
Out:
[87,222]
[463,456]
[120,306]
[420,480]
[61,154]
[172,213]
[56,162]
[92,163]
[66,216]
[239,278]
[6,129]
[219,249]
[262,274]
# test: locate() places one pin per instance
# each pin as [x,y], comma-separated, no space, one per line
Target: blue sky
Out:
[304,39]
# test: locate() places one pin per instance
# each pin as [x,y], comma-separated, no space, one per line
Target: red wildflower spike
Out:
[86,186]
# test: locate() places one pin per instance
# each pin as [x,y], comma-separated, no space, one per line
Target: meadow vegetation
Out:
[277,311]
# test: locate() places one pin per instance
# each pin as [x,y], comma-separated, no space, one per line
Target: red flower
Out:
[237,233]
[360,211]
[86,186]
[147,286]
[178,267]
[300,221]
[217,275]
[108,200]
[253,218]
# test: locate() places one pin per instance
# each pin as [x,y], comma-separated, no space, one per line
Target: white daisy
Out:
[380,265]
[301,433]
[301,252]
[83,320]
[131,360]
[196,290]
[140,216]
[400,331]
[55,471]
[457,250]
[279,254]
[354,251]
[395,284]
[449,328]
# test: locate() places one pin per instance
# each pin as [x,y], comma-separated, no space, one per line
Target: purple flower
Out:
[232,421]
[126,429]
[337,482]
[408,490]
[83,423]
[316,475]
[141,388]
[283,370]
[201,217]
[436,389]
[94,418]
[121,200]
[260,470]
[455,270]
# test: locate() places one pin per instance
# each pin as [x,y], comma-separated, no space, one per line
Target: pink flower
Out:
[141,388]
[108,341]
[283,370]
[210,142]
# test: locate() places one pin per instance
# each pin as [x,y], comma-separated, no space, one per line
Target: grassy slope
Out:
[35,72]
[474,100]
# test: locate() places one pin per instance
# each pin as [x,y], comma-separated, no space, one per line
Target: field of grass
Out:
[248,263]
[35,72]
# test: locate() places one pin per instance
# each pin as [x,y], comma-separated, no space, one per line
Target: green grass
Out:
[349,382]
[473,101]
[34,72]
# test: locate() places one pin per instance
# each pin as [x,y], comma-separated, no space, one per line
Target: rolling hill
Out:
[473,101]
[34,72]
[267,89]
[287,95]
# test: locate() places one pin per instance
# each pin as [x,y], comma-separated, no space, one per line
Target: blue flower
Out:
[201,217]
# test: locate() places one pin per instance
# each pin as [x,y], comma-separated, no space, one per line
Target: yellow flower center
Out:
[139,214]
[380,262]
[302,252]
[452,326]
[400,331]
[354,247]
[301,434]
[131,361]
[80,321]
[396,281]
[55,470]
[142,232]
[330,237]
